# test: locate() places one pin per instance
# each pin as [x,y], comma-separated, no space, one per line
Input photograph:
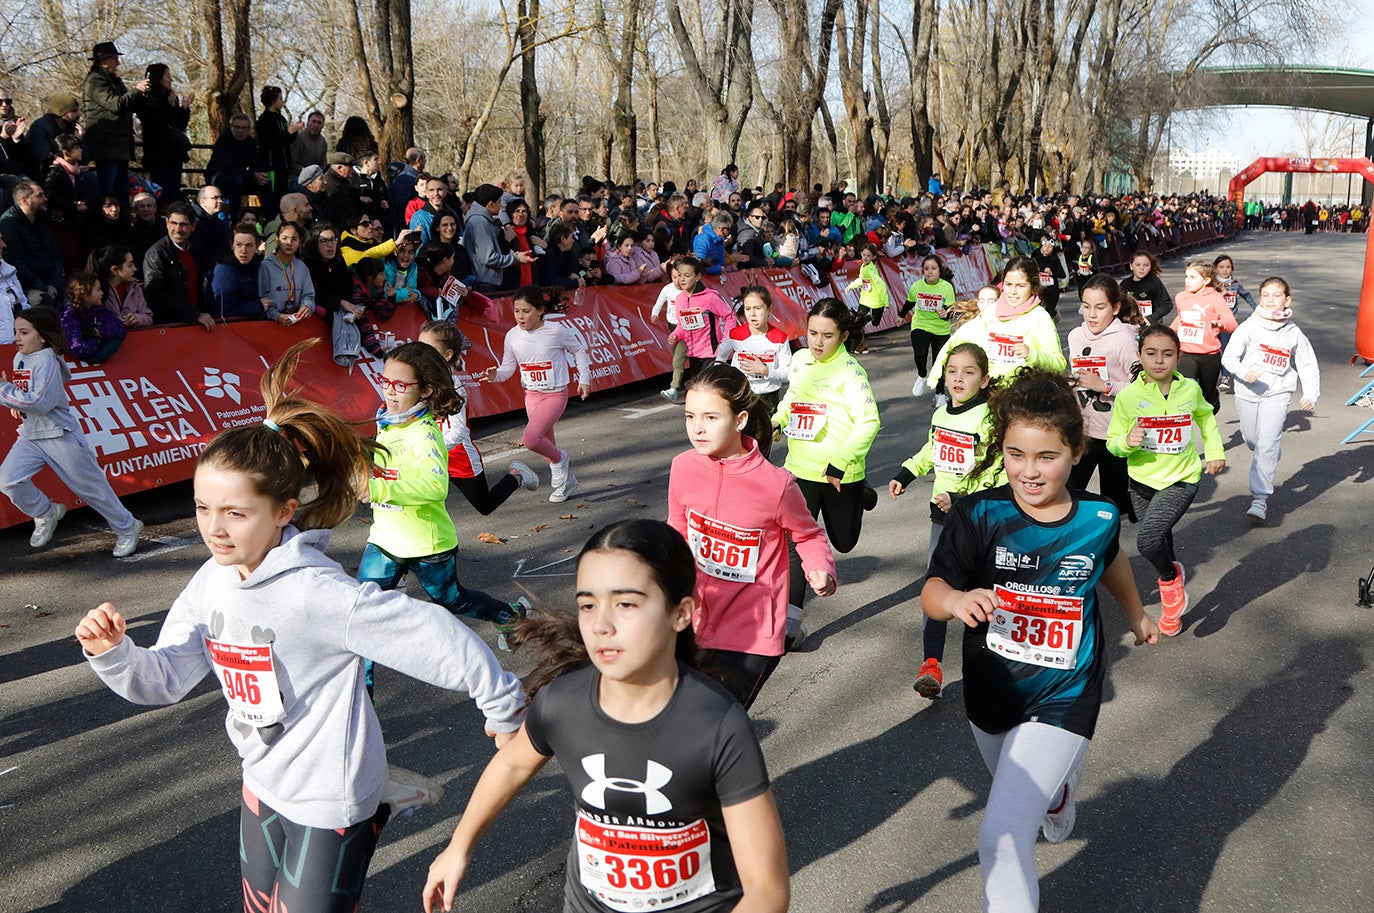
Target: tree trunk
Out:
[226,83]
[531,116]
[924,85]
[720,73]
[850,45]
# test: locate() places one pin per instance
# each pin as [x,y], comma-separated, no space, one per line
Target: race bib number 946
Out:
[248,679]
[637,869]
[1038,629]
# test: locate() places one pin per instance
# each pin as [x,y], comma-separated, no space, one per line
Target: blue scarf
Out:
[386,419]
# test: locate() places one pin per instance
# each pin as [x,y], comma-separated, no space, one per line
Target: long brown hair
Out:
[305,443]
[732,385]
[433,372]
[1038,397]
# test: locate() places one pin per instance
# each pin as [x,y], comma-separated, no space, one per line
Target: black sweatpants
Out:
[484,499]
[1206,370]
[1113,482]
[742,674]
[925,345]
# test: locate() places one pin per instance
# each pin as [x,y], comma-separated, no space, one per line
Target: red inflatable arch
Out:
[1364,320]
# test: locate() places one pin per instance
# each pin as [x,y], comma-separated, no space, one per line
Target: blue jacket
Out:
[235,288]
[709,248]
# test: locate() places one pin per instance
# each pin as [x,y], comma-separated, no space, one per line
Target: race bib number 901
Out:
[637,869]
[537,376]
[248,679]
[724,551]
[1042,630]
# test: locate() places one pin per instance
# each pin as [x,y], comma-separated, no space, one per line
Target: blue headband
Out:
[271,424]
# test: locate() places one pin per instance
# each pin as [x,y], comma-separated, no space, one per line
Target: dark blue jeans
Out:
[438,574]
[113,175]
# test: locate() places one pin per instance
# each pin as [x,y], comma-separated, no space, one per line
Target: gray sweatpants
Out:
[1261,424]
[72,458]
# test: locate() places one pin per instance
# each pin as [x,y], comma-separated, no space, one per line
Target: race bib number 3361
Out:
[1039,629]
[634,869]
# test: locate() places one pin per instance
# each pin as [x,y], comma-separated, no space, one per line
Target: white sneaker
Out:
[1057,827]
[796,630]
[406,791]
[127,543]
[558,472]
[44,527]
[529,479]
[940,400]
[919,387]
[568,487]
[1258,512]
[670,395]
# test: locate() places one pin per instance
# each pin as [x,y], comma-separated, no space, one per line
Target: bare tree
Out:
[720,66]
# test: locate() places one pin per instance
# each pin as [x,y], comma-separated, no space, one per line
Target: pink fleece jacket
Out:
[1199,320]
[1111,355]
[736,515]
[697,310]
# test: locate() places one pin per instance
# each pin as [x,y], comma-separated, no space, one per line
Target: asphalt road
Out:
[1231,769]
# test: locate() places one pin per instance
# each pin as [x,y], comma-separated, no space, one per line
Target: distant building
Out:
[1211,168]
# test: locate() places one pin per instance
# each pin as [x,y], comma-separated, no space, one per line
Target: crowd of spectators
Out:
[1309,217]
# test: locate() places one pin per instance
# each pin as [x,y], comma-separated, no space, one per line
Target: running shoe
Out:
[671,395]
[1058,824]
[930,680]
[919,387]
[1258,512]
[558,473]
[522,608]
[127,543]
[796,635]
[406,791]
[44,527]
[1173,600]
[561,492]
[529,479]
[1224,384]
[940,400]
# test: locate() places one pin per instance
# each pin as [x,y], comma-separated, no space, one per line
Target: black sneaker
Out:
[870,498]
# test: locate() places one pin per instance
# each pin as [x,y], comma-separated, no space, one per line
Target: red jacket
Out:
[736,515]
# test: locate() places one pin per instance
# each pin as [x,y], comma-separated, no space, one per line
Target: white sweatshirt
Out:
[771,348]
[1280,352]
[541,356]
[317,756]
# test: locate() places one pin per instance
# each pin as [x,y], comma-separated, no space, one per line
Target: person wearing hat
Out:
[310,183]
[64,112]
[234,165]
[340,197]
[107,107]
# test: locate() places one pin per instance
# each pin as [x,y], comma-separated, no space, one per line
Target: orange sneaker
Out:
[1173,600]
[929,680]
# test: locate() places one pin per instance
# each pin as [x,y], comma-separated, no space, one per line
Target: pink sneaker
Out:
[1173,600]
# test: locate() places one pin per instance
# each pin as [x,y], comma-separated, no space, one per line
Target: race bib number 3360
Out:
[1039,629]
[635,869]
[248,678]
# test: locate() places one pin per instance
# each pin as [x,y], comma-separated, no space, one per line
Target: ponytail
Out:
[851,324]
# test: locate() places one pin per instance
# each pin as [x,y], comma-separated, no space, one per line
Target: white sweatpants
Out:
[1029,765]
[1261,424]
[72,458]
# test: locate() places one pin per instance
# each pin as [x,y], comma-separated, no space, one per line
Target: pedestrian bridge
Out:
[1342,91]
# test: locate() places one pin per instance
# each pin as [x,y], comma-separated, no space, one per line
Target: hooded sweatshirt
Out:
[35,388]
[1197,312]
[737,515]
[1280,352]
[830,417]
[998,338]
[1111,355]
[287,646]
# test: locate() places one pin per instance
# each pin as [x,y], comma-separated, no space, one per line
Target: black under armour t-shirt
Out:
[647,796]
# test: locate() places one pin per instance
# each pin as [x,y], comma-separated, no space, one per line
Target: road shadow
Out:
[1307,550]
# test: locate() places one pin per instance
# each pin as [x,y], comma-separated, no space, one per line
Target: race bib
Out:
[1085,269]
[248,679]
[21,379]
[865,285]
[691,320]
[1166,433]
[1275,358]
[1191,333]
[537,376]
[724,551]
[636,869]
[952,451]
[929,303]
[1146,306]
[1046,278]
[805,421]
[1230,299]
[1034,628]
[1090,364]
[1002,348]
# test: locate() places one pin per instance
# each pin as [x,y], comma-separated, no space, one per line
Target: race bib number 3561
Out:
[724,551]
[635,869]
[248,679]
[1038,629]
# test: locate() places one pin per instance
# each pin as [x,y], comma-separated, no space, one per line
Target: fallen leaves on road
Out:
[490,538]
[566,517]
[635,503]
[540,527]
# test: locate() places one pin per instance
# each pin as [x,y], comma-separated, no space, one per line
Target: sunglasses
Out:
[398,386]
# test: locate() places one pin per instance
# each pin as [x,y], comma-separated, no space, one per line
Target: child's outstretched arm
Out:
[1121,584]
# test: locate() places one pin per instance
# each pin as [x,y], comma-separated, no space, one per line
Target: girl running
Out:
[1268,355]
[1033,662]
[541,351]
[616,698]
[50,435]
[872,287]
[1147,288]
[682,280]
[703,317]
[738,512]
[959,436]
[1152,427]
[830,418]
[1201,319]
[759,349]
[929,302]
[1052,271]
[465,469]
[284,630]
[411,527]
[1230,285]
[1103,361]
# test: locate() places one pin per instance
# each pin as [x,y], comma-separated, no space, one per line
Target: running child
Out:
[1147,288]
[703,317]
[1052,270]
[1201,319]
[1268,355]
[1085,267]
[872,287]
[1033,663]
[284,630]
[665,306]
[1103,361]
[929,301]
[50,435]
[411,527]
[1230,285]
[616,699]
[542,351]
[830,417]
[465,470]
[1152,427]
[959,436]
[759,349]
[738,512]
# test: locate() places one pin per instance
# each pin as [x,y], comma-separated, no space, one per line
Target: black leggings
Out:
[484,499]
[875,316]
[1159,513]
[1206,370]
[288,866]
[925,343]
[1111,475]
[844,519]
[742,674]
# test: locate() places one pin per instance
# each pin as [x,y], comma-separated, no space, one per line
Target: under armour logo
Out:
[655,776]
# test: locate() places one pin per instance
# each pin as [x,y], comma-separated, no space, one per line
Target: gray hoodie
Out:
[1281,354]
[36,388]
[323,762]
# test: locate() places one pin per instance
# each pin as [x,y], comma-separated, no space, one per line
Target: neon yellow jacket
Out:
[921,292]
[974,418]
[1143,398]
[874,296]
[1035,328]
[408,488]
[851,416]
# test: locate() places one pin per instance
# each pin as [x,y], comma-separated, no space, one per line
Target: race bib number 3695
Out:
[248,679]
[1042,630]
[635,869]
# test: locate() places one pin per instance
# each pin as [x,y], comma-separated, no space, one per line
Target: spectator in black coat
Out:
[275,136]
[210,240]
[234,165]
[30,246]
[164,116]
[64,113]
[177,291]
[107,106]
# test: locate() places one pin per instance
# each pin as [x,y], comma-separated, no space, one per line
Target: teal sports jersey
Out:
[1039,659]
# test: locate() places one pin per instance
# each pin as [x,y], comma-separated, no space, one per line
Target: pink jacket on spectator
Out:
[625,270]
[737,515]
[703,321]
[133,303]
